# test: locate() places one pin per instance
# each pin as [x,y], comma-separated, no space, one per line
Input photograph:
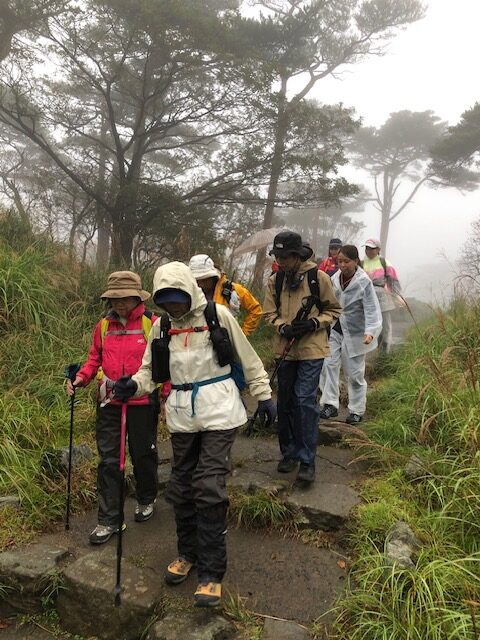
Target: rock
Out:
[198,625]
[400,545]
[55,461]
[322,505]
[329,435]
[163,473]
[415,468]
[249,481]
[26,576]
[9,501]
[283,630]
[86,603]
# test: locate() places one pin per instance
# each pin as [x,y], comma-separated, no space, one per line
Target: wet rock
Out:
[9,501]
[198,625]
[415,468]
[249,481]
[55,461]
[322,505]
[283,630]
[27,576]
[400,545]
[86,603]
[329,435]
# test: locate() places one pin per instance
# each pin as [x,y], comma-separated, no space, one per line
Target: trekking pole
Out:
[123,434]
[303,312]
[70,373]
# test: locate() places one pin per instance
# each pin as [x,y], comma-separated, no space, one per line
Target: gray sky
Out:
[433,64]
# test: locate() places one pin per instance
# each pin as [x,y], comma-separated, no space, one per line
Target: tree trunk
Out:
[104,224]
[275,173]
[384,230]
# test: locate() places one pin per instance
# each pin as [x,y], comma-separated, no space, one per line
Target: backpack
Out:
[218,335]
[312,277]
[227,289]
[146,325]
[383,262]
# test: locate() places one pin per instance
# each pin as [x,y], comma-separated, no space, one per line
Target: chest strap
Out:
[195,386]
[175,332]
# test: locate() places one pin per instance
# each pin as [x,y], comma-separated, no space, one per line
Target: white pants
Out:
[354,371]
[385,341]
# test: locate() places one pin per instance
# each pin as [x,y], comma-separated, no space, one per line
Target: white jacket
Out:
[361,312]
[192,359]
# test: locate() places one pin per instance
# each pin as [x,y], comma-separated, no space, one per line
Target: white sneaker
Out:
[103,532]
[143,512]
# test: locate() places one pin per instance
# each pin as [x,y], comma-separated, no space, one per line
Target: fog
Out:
[433,64]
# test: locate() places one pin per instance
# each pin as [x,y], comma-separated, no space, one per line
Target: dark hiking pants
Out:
[298,410]
[142,445]
[198,493]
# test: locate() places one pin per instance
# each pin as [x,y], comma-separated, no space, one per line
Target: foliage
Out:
[429,407]
[261,509]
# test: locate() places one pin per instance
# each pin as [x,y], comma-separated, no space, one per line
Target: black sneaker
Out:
[143,512]
[306,473]
[103,532]
[286,465]
[328,411]
[353,418]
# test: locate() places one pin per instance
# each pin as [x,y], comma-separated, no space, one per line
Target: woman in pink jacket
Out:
[117,349]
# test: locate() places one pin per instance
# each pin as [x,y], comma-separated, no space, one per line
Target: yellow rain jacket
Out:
[241,299]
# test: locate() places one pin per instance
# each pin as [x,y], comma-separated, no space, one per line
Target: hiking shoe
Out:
[328,411]
[286,465]
[306,473]
[208,594]
[143,512]
[103,532]
[353,418]
[177,571]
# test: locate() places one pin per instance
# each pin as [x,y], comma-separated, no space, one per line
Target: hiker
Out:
[353,335]
[117,349]
[299,279]
[330,264]
[387,288]
[218,288]
[203,412]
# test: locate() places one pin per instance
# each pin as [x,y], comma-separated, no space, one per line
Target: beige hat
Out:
[123,284]
[202,267]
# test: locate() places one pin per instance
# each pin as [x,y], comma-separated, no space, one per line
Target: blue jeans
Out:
[298,411]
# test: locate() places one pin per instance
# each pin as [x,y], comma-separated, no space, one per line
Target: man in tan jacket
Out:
[299,373]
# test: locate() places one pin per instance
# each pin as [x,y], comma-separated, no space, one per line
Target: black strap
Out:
[279,278]
[227,289]
[211,315]
[148,314]
[384,265]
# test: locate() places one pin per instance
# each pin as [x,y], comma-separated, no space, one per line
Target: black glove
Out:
[286,331]
[300,328]
[267,411]
[124,388]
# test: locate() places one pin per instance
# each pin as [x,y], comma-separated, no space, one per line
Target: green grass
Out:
[428,406]
[260,510]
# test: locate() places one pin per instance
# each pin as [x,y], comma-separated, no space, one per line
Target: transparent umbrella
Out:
[259,240]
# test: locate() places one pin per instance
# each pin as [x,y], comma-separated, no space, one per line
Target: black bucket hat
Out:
[287,242]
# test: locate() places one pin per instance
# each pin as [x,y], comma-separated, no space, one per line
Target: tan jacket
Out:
[313,345]
[192,359]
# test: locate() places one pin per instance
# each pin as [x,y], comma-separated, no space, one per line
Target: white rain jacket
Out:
[192,359]
[361,312]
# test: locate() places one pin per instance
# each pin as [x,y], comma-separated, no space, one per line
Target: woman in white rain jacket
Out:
[352,337]
[202,419]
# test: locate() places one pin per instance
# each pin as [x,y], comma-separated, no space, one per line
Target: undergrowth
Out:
[428,407]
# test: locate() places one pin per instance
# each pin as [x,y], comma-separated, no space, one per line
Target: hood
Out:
[176,275]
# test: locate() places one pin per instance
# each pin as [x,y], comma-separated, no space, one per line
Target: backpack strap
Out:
[279,278]
[211,316]
[227,290]
[146,326]
[384,265]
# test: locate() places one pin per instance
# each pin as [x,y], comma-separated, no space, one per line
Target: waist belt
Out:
[195,386]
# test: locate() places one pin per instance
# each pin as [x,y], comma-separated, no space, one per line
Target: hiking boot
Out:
[103,532]
[306,473]
[286,465]
[177,571]
[353,418]
[328,411]
[143,512]
[208,594]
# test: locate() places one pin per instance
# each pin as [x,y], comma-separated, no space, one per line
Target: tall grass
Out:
[46,321]
[430,406]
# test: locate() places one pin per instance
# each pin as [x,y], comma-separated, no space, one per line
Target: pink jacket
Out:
[120,354]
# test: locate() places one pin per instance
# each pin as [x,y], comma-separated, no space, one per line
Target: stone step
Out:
[28,576]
